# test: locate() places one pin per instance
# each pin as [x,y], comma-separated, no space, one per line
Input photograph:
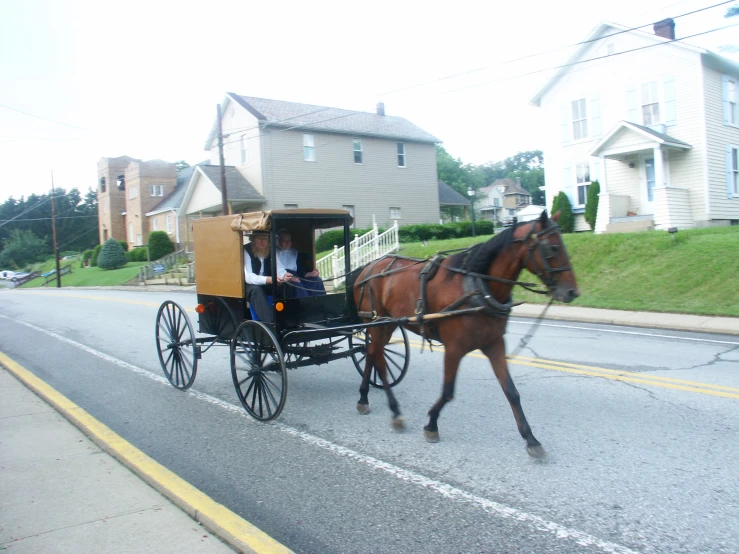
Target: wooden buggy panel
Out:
[219,257]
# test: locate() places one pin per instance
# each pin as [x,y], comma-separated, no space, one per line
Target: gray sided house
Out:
[377,166]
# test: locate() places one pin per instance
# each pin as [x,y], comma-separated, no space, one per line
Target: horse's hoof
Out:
[431,436]
[399,423]
[537,451]
[363,408]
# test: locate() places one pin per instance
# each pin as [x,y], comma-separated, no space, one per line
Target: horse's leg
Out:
[381,337]
[363,404]
[496,354]
[452,357]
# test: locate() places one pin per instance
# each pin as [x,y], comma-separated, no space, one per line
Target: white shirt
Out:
[251,277]
[287,260]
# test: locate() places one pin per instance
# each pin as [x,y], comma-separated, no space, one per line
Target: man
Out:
[257,272]
[290,270]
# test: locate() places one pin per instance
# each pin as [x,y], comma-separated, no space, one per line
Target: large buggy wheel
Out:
[258,370]
[218,319]
[397,357]
[176,346]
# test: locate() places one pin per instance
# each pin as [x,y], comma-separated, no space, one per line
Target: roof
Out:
[511,186]
[450,197]
[600,31]
[278,113]
[650,134]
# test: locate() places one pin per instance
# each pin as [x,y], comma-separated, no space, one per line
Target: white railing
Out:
[362,250]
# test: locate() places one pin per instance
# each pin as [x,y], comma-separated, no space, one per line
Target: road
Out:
[641,428]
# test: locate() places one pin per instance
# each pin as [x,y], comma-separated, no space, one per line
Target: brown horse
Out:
[476,282]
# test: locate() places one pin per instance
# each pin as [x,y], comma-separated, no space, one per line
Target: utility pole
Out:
[53,233]
[224,196]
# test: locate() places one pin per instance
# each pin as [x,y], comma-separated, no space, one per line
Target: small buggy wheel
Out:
[397,357]
[176,346]
[218,319]
[258,370]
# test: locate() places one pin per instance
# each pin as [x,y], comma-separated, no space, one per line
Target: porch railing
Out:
[166,263]
[362,250]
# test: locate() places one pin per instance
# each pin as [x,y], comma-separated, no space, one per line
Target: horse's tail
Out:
[351,278]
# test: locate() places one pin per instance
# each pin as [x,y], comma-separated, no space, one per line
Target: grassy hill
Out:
[695,272]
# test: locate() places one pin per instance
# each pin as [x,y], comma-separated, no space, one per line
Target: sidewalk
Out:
[61,493]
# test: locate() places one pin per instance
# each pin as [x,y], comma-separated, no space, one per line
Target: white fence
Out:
[363,249]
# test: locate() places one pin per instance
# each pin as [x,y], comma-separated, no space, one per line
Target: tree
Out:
[180,165]
[591,205]
[111,255]
[461,177]
[22,248]
[159,245]
[566,218]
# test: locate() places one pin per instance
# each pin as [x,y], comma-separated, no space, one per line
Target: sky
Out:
[81,80]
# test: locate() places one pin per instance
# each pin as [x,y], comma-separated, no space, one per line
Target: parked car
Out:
[19,276]
[507,222]
[6,274]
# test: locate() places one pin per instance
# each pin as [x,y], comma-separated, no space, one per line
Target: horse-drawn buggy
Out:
[461,299]
[304,331]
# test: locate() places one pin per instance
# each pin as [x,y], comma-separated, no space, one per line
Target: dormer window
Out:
[579,119]
[650,103]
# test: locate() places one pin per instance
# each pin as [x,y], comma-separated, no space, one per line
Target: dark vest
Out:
[256,264]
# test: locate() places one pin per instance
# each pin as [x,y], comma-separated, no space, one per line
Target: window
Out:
[582,171]
[731,101]
[121,182]
[133,192]
[169,224]
[244,153]
[138,240]
[291,206]
[130,232]
[157,190]
[155,224]
[496,202]
[309,148]
[650,103]
[102,184]
[357,151]
[401,161]
[579,119]
[395,212]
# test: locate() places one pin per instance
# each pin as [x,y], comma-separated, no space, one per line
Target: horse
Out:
[473,288]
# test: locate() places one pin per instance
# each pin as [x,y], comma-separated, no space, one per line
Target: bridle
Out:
[545,272]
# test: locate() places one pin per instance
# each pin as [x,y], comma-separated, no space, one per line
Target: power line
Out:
[45,118]
[41,203]
[593,59]
[548,51]
[48,218]
[79,236]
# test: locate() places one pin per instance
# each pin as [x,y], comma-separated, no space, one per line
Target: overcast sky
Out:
[143,79]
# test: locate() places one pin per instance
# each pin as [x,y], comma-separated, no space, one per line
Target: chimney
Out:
[665,28]
[380,108]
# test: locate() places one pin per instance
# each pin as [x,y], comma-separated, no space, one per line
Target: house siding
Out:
[333,180]
[204,196]
[718,137]
[605,80]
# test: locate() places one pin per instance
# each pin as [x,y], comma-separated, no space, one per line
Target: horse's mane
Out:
[478,258]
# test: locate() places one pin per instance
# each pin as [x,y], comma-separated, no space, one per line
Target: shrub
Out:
[566,218]
[111,255]
[124,245]
[86,255]
[137,255]
[95,254]
[159,245]
[591,206]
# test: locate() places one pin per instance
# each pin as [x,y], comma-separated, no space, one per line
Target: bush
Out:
[112,255]
[566,218]
[124,245]
[136,255]
[159,245]
[591,206]
[86,255]
[329,239]
[95,254]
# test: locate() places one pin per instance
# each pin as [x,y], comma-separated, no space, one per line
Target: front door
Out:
[648,187]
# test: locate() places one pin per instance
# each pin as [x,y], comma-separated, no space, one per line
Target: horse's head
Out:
[546,257]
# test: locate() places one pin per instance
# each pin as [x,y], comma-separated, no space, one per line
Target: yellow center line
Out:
[614,375]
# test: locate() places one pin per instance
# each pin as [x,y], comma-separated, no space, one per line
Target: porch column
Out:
[659,167]
[603,175]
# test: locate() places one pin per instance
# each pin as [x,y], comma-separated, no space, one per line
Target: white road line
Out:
[619,331]
[444,489]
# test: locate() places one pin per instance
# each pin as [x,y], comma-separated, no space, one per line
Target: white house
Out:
[656,122]
[490,202]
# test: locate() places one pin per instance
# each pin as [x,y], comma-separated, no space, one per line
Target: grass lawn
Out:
[90,276]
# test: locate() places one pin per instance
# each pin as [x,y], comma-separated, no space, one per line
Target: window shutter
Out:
[565,123]
[568,186]
[632,106]
[669,89]
[595,117]
[729,174]
[725,97]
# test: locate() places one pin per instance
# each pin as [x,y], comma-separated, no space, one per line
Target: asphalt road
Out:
[641,429]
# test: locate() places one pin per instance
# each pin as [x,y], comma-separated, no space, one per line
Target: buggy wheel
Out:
[258,370]
[176,346]
[218,319]
[397,357]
